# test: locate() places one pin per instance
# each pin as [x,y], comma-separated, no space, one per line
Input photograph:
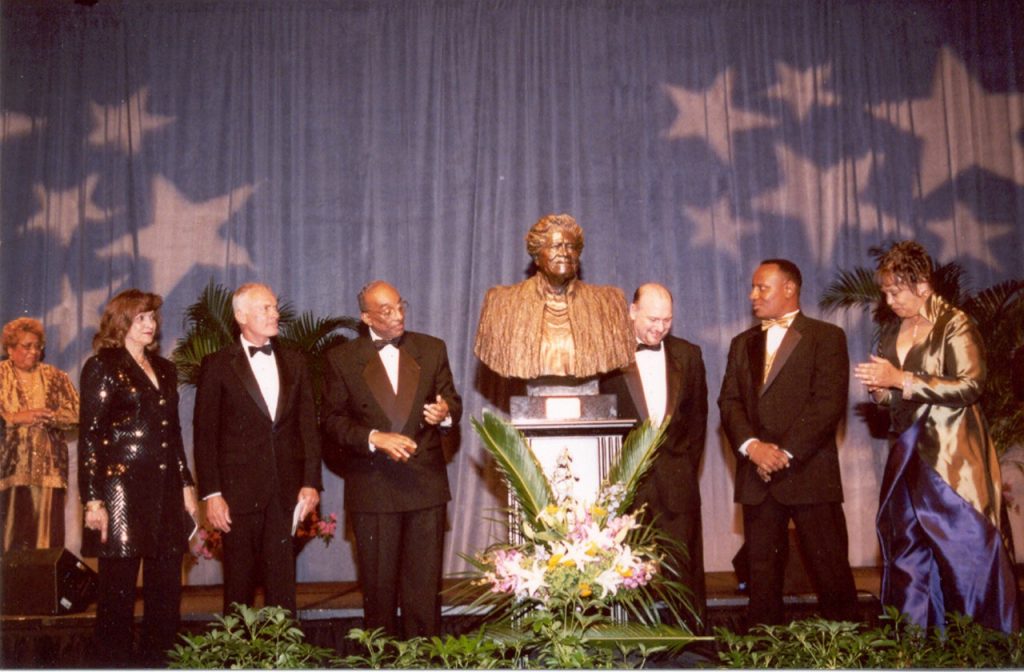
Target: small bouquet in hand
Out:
[315,527]
[207,544]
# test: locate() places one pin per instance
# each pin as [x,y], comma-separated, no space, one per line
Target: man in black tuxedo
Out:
[667,380]
[389,394]
[783,396]
[257,451]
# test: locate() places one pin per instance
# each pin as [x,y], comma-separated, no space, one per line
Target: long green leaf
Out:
[633,633]
[636,458]
[515,459]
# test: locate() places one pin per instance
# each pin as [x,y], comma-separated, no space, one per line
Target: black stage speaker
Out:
[50,581]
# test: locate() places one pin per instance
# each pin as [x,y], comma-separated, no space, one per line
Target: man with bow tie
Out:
[783,396]
[389,395]
[257,451]
[667,380]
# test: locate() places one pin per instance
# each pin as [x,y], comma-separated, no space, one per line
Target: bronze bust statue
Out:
[554,324]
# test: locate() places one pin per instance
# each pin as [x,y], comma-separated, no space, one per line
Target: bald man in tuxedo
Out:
[667,380]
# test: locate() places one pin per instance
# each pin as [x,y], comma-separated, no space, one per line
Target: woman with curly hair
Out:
[941,499]
[38,405]
[134,480]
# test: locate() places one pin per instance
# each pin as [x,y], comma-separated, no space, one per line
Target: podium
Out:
[568,417]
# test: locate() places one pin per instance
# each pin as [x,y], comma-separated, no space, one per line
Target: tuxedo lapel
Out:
[674,371]
[631,374]
[376,378]
[285,382]
[408,382]
[755,357]
[248,379]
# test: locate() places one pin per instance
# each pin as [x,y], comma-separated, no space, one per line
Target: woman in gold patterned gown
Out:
[38,404]
[941,501]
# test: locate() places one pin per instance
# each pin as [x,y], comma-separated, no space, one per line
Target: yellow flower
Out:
[597,511]
[624,573]
[592,549]
[555,559]
[551,509]
[585,590]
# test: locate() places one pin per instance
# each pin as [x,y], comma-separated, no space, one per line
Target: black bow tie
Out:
[382,343]
[266,349]
[643,346]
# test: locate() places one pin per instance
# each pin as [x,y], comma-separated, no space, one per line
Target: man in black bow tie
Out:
[783,396]
[389,395]
[257,451]
[668,379]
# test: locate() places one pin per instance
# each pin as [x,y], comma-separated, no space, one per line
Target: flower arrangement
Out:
[315,527]
[574,569]
[576,552]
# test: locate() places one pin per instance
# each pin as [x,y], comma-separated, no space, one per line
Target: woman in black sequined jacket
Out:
[134,480]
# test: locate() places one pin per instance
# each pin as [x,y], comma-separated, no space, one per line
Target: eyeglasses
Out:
[388,312]
[29,347]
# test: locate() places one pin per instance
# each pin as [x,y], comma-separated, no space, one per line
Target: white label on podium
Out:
[562,408]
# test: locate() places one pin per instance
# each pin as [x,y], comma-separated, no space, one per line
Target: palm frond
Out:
[950,282]
[614,635]
[635,459]
[189,352]
[515,459]
[212,312]
[988,306]
[851,289]
[316,335]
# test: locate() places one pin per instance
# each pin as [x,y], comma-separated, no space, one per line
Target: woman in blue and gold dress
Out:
[941,500]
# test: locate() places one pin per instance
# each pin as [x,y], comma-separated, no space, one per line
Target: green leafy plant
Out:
[469,651]
[895,644]
[998,312]
[250,638]
[210,325]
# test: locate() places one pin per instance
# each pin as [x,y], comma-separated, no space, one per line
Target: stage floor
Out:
[327,611]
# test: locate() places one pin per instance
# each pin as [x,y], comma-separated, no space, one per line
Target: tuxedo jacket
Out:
[673,484]
[242,453]
[798,407]
[358,398]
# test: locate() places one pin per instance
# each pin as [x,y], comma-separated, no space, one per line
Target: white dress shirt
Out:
[654,380]
[264,367]
[389,358]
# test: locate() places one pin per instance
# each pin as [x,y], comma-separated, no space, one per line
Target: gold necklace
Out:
[30,383]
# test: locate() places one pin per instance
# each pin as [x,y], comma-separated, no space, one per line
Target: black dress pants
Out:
[115,611]
[399,556]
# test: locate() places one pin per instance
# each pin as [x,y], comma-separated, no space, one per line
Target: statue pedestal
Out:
[569,419]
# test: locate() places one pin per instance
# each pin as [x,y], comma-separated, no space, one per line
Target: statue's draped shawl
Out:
[508,339]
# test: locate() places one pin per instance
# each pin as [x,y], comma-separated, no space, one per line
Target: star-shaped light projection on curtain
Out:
[693,119]
[16,124]
[803,90]
[184,234]
[78,309]
[62,213]
[948,120]
[959,238]
[122,126]
[716,226]
[823,200]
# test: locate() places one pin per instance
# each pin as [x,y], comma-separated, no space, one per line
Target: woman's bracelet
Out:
[95,505]
[908,381]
